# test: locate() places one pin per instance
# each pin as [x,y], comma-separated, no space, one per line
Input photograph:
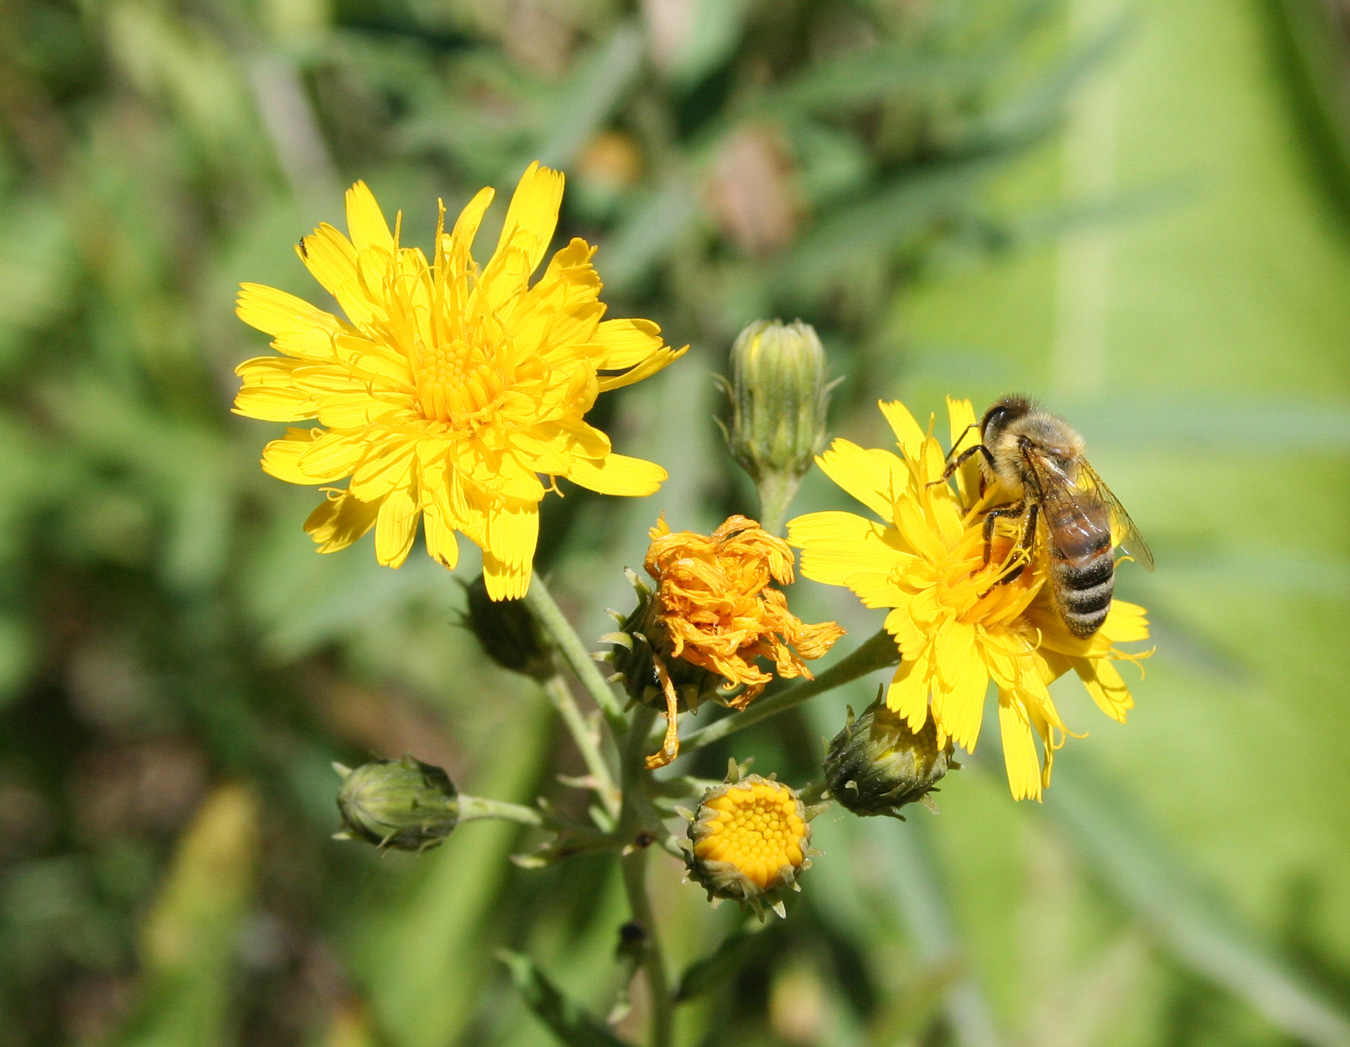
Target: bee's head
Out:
[1001,415]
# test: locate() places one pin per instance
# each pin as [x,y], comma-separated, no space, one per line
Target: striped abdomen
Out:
[1082,562]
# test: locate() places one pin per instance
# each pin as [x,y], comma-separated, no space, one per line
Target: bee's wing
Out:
[1121,524]
[1076,513]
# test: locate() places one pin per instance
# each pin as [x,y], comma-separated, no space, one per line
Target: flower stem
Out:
[563,700]
[775,496]
[473,808]
[636,778]
[877,653]
[574,652]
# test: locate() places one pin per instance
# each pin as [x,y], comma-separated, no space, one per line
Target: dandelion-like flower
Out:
[714,614]
[958,621]
[449,394]
[749,841]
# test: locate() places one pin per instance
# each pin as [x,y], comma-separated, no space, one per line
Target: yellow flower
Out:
[448,394]
[956,626]
[715,609]
[749,841]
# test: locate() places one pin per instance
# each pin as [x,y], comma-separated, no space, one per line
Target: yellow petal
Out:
[1125,622]
[269,392]
[385,467]
[351,410]
[332,456]
[962,680]
[441,543]
[907,694]
[457,245]
[906,429]
[658,361]
[311,456]
[627,342]
[526,234]
[1019,749]
[512,533]
[563,308]
[365,221]
[964,435]
[836,546]
[396,526]
[1107,687]
[341,520]
[617,474]
[330,258]
[874,477]
[301,329]
[533,214]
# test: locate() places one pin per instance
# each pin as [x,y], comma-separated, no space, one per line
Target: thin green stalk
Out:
[636,778]
[563,700]
[574,652]
[877,653]
[775,497]
[472,808]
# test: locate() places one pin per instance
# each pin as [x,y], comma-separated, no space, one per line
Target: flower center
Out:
[456,382]
[758,828]
[973,591]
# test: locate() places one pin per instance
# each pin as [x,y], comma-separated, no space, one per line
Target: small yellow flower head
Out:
[876,764]
[508,633]
[779,400]
[958,622]
[401,803]
[449,394]
[749,841]
[713,615]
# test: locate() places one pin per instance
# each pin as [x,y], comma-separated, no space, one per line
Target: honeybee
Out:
[1038,459]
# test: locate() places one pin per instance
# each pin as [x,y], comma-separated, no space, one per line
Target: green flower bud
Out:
[749,841]
[398,803]
[876,764]
[508,633]
[779,399]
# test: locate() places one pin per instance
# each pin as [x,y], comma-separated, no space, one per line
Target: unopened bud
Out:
[876,764]
[508,633]
[398,803]
[780,395]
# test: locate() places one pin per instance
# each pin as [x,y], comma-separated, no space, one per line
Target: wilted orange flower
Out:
[717,608]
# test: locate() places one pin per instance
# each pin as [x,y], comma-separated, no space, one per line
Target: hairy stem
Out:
[574,652]
[636,778]
[775,496]
[473,808]
[560,694]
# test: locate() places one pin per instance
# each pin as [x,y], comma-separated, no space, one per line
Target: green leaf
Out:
[567,1020]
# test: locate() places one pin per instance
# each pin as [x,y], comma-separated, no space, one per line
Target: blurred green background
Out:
[1134,209]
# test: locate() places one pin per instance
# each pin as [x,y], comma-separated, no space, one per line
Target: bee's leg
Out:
[991,518]
[961,459]
[1027,542]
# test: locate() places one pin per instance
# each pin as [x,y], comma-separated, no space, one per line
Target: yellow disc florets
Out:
[749,840]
